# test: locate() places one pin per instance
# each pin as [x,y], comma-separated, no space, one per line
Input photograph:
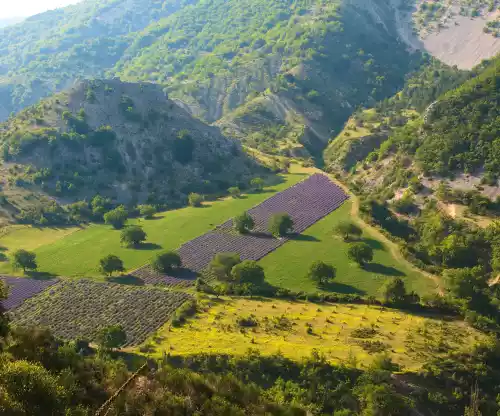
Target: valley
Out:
[249,207]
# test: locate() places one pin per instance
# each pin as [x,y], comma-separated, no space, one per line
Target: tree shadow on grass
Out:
[374,244]
[40,275]
[147,246]
[126,280]
[303,237]
[381,269]
[338,287]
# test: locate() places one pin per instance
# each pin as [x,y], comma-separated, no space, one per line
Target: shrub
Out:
[113,336]
[257,184]
[116,217]
[147,211]
[195,199]
[23,259]
[280,225]
[166,262]
[243,223]
[248,321]
[234,191]
[133,236]
[111,264]
[248,271]
[346,229]
[321,272]
[361,253]
[222,264]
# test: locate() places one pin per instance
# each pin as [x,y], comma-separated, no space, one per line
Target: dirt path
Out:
[393,247]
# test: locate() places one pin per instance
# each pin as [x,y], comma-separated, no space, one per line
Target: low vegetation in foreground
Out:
[356,333]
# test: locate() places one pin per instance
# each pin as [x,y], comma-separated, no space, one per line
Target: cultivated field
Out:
[80,309]
[288,266]
[20,289]
[340,332]
[77,253]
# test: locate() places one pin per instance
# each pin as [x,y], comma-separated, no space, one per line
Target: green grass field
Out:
[74,252]
[287,266]
[282,326]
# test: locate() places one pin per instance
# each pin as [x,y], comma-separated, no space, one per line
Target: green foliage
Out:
[280,225]
[234,191]
[360,252]
[147,211]
[111,264]
[243,223]
[257,184]
[248,271]
[321,272]
[394,291]
[222,264]
[184,147]
[23,259]
[346,229]
[166,262]
[195,199]
[112,337]
[116,217]
[133,236]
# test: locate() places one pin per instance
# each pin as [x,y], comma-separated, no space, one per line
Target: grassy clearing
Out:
[340,332]
[288,266]
[77,253]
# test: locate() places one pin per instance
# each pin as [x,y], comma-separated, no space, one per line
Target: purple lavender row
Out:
[20,289]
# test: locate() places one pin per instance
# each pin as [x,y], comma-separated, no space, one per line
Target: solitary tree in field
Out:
[321,272]
[394,290]
[23,259]
[234,191]
[346,229]
[116,217]
[243,223]
[195,199]
[222,264]
[132,236]
[166,262]
[248,271]
[112,337]
[257,184]
[361,253]
[280,225]
[111,264]
[147,211]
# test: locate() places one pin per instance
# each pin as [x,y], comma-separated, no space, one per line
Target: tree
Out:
[346,229]
[321,272]
[165,262]
[243,223]
[280,225]
[394,290]
[111,264]
[361,253]
[116,217]
[23,259]
[195,199]
[147,211]
[222,264]
[111,337]
[248,271]
[133,236]
[234,191]
[257,184]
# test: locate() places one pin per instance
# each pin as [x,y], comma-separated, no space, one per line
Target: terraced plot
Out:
[80,309]
[20,289]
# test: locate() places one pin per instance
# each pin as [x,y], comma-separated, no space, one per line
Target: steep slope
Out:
[290,70]
[47,52]
[122,140]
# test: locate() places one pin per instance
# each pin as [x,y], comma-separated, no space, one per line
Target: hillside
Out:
[125,141]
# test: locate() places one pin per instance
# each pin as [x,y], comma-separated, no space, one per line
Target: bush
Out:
[346,229]
[361,253]
[112,337]
[248,271]
[243,223]
[222,264]
[248,321]
[280,225]
[234,191]
[23,259]
[111,264]
[257,184]
[195,199]
[321,272]
[116,217]
[166,262]
[147,211]
[132,236]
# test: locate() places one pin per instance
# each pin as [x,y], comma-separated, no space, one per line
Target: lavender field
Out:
[20,289]
[306,202]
